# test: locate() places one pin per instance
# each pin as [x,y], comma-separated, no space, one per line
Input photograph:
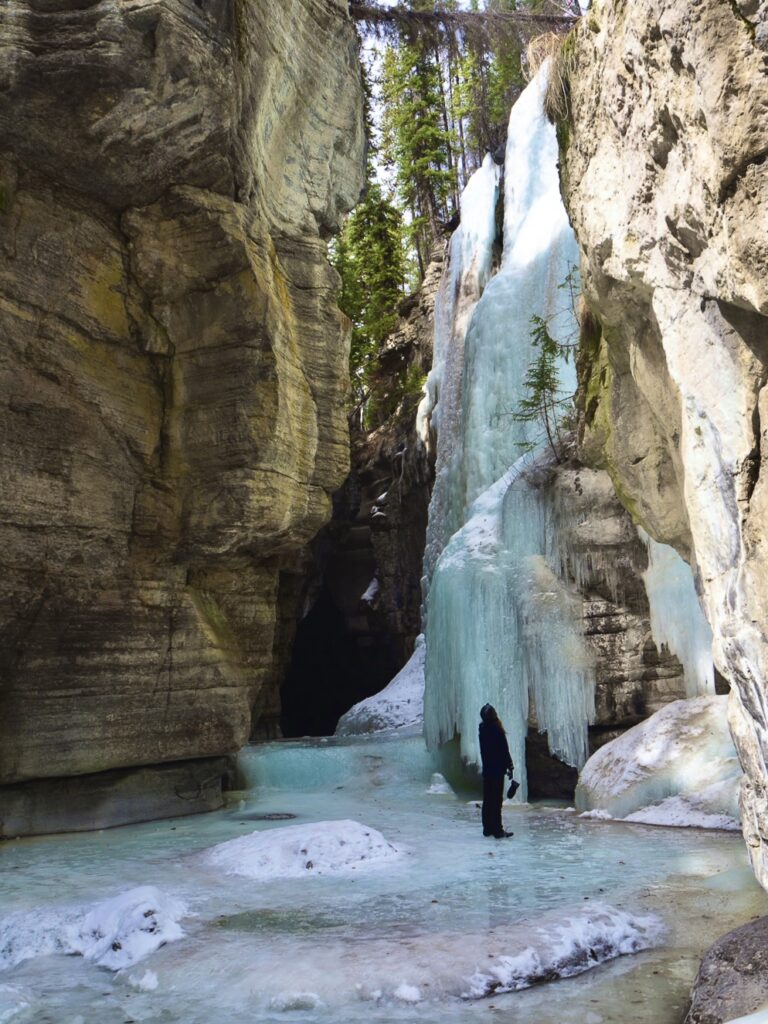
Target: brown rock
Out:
[665,177]
[173,362]
[733,978]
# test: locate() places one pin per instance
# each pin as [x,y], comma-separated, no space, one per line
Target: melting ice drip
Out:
[501,626]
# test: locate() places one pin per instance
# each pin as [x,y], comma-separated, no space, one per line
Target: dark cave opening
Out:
[334,664]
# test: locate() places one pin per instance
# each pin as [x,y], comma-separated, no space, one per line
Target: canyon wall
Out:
[174,372]
[663,150]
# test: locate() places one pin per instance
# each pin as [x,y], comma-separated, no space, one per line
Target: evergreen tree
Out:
[369,256]
[417,142]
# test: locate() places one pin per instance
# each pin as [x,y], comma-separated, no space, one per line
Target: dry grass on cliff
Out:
[560,52]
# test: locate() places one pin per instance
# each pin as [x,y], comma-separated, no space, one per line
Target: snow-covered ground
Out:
[679,767]
[114,933]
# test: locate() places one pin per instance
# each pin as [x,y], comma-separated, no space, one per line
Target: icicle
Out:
[677,620]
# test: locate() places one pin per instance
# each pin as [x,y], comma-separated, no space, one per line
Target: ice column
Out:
[501,625]
[677,620]
[468,270]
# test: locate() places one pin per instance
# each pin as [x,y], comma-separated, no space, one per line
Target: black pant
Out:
[493,795]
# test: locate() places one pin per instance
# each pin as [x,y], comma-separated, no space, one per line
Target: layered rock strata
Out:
[173,362]
[663,156]
[603,558]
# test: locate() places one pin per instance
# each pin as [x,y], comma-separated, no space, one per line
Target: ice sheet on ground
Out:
[451,908]
[298,851]
[115,933]
[400,705]
[424,967]
[679,767]
[13,1001]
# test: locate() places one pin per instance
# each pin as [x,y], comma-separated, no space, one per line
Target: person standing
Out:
[497,762]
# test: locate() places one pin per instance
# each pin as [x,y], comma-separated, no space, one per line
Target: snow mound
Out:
[115,933]
[679,767]
[287,1001]
[407,993]
[597,815]
[400,705]
[439,784]
[296,851]
[567,948]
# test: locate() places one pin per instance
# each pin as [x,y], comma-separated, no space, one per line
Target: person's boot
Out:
[502,835]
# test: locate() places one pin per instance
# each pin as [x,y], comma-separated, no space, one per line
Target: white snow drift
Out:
[566,948]
[399,706]
[679,767]
[115,933]
[296,851]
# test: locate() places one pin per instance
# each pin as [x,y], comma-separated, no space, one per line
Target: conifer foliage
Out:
[441,82]
[369,256]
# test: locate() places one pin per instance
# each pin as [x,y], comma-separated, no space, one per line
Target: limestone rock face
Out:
[664,174]
[173,363]
[605,558]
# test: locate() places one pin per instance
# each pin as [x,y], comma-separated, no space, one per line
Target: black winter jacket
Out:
[494,749]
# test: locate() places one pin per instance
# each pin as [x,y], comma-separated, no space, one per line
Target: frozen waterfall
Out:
[501,626]
[677,620]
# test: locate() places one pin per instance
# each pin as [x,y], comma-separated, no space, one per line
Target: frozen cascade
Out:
[677,620]
[468,270]
[501,626]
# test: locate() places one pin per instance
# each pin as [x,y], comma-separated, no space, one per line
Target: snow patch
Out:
[287,1001]
[115,933]
[597,815]
[146,983]
[679,767]
[439,784]
[298,851]
[567,948]
[399,706]
[407,993]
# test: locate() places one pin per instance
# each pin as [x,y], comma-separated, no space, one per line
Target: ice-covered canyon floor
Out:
[377,897]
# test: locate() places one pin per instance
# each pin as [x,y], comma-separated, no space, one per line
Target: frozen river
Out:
[431,923]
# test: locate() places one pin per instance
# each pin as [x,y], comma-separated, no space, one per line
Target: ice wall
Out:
[467,272]
[677,620]
[500,625]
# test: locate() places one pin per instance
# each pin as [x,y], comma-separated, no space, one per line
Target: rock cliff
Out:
[173,368]
[663,169]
